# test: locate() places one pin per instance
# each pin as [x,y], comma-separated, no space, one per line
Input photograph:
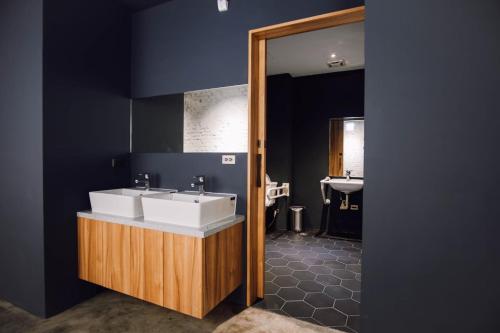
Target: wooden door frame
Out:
[256,177]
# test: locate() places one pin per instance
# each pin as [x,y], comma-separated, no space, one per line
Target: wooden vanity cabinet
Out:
[183,273]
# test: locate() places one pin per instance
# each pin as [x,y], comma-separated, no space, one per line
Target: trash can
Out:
[297,212]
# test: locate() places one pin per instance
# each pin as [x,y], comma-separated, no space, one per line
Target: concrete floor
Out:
[114,312]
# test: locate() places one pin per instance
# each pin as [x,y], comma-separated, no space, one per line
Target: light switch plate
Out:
[228,159]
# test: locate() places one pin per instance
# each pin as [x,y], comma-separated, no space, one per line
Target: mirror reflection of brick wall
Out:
[216,120]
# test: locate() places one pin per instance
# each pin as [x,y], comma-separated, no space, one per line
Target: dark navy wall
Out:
[319,98]
[175,171]
[298,116]
[185,45]
[21,166]
[280,103]
[86,124]
[431,219]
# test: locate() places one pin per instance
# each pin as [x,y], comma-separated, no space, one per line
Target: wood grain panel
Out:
[256,192]
[137,278]
[329,20]
[90,251]
[336,151]
[223,267]
[256,131]
[153,266]
[183,282]
[116,245]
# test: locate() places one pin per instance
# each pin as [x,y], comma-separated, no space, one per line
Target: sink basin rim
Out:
[344,185]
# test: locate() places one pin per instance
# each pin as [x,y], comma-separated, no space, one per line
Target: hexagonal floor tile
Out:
[289,251]
[312,261]
[356,295]
[353,285]
[334,264]
[308,254]
[319,300]
[347,306]
[270,288]
[272,302]
[328,280]
[355,268]
[291,294]
[268,277]
[338,253]
[277,262]
[327,256]
[304,275]
[298,309]
[338,292]
[297,266]
[292,257]
[281,270]
[343,274]
[284,246]
[330,317]
[332,247]
[286,281]
[310,286]
[310,320]
[348,260]
[320,270]
[354,323]
[274,255]
[356,255]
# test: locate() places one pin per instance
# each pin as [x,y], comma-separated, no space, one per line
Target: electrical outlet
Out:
[228,159]
[354,207]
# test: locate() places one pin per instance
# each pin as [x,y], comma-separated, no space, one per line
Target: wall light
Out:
[223,5]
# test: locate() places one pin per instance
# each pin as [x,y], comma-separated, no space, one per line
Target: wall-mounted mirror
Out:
[202,121]
[347,141]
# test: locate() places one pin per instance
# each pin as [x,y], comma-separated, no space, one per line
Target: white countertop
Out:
[202,232]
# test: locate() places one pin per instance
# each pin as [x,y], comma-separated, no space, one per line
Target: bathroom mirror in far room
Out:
[347,141]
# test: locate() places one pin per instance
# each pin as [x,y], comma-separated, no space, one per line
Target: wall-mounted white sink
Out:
[124,202]
[189,208]
[344,185]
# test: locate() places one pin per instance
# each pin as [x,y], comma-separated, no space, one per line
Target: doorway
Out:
[258,158]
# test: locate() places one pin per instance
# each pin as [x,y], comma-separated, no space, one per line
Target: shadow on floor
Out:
[114,312]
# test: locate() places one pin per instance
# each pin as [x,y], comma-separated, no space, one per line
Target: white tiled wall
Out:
[354,145]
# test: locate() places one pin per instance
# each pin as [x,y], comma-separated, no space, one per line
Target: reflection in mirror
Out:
[347,137]
[203,121]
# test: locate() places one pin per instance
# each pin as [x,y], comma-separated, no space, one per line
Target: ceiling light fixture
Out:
[333,55]
[223,5]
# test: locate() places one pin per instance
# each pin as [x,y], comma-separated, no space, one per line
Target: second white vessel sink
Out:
[346,186]
[189,209]
[124,202]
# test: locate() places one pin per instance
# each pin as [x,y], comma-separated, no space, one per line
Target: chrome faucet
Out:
[200,182]
[143,178]
[348,174]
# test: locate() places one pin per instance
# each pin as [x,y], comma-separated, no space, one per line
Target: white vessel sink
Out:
[189,208]
[344,185]
[124,202]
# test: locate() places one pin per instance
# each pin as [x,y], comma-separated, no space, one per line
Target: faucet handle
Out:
[199,179]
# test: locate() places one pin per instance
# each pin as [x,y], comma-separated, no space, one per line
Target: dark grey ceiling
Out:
[142,4]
